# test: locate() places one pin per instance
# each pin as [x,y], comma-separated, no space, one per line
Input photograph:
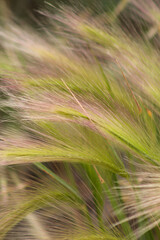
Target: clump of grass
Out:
[97,111]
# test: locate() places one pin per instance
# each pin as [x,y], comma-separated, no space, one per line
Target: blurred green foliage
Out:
[26,8]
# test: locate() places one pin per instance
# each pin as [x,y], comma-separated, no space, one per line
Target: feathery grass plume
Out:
[40,208]
[141,198]
[96,109]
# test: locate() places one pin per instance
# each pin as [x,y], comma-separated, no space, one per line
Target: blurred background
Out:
[25,9]
[30,12]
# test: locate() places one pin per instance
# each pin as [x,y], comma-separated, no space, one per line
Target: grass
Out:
[81,158]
